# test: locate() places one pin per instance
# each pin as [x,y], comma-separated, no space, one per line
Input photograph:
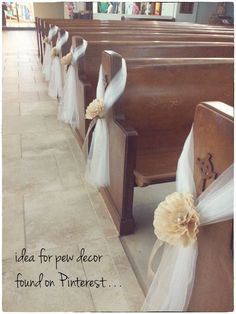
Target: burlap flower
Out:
[176,220]
[54,52]
[95,109]
[66,60]
[46,40]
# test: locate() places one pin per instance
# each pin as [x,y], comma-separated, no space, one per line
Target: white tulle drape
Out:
[55,87]
[46,69]
[172,284]
[68,108]
[97,166]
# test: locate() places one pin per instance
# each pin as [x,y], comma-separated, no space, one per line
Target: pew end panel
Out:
[118,195]
[85,93]
[213,148]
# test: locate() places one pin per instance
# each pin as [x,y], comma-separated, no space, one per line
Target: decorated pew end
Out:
[193,225]
[213,154]
[144,145]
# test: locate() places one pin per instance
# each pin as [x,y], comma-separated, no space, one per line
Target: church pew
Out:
[141,35]
[43,25]
[149,24]
[157,35]
[90,62]
[115,34]
[68,22]
[134,26]
[213,285]
[150,121]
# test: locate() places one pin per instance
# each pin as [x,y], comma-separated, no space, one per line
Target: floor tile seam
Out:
[137,275]
[131,269]
[117,270]
[58,169]
[21,150]
[94,209]
[64,189]
[74,158]
[25,237]
[86,277]
[95,212]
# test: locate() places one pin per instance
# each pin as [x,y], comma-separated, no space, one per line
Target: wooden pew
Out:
[140,25]
[90,62]
[144,18]
[141,36]
[43,25]
[201,34]
[213,286]
[149,123]
[149,24]
[109,33]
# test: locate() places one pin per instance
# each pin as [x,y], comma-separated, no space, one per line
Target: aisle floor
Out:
[47,203]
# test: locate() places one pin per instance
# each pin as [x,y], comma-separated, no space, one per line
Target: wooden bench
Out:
[90,62]
[146,24]
[213,286]
[202,35]
[138,36]
[150,122]
[149,34]
[42,26]
[144,18]
[119,35]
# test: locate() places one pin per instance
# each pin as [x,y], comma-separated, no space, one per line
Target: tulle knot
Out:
[46,40]
[176,219]
[95,109]
[54,52]
[67,59]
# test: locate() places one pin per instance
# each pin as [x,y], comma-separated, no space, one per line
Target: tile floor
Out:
[47,204]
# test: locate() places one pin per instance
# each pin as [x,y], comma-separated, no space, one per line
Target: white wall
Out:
[168,9]
[49,9]
[106,16]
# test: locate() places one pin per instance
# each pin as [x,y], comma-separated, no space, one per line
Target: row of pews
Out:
[177,74]
[170,77]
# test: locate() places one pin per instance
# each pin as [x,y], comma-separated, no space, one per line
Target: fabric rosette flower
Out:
[95,109]
[54,52]
[176,219]
[67,59]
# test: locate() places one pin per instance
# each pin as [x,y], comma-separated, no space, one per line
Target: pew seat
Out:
[155,166]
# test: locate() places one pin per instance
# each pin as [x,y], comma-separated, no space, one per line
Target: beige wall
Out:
[49,9]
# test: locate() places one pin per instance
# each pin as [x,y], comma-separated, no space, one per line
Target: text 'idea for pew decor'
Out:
[173,280]
[68,107]
[97,165]
[46,69]
[55,86]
